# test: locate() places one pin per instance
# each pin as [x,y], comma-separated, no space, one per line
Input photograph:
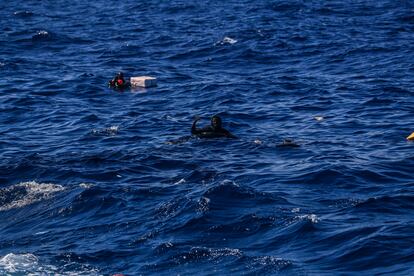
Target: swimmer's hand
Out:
[196,118]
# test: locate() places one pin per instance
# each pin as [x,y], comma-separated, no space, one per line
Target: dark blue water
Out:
[90,183]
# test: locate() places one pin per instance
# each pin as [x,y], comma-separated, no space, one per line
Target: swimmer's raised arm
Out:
[194,126]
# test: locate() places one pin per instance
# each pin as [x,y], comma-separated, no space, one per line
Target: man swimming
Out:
[213,131]
[118,82]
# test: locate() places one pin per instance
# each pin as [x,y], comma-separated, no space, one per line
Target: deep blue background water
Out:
[89,183]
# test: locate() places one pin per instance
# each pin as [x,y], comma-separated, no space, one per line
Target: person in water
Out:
[215,130]
[118,82]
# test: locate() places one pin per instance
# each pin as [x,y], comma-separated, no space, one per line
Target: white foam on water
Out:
[222,252]
[41,233]
[226,40]
[258,142]
[86,185]
[312,217]
[181,181]
[170,118]
[35,192]
[13,263]
[345,203]
[43,33]
[169,244]
[203,204]
[111,131]
[215,253]
[275,262]
[29,264]
[113,128]
[271,260]
[229,182]
[229,40]
[309,217]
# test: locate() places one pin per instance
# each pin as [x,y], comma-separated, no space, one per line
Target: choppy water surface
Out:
[91,185]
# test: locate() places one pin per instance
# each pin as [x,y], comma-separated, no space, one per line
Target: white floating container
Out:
[143,81]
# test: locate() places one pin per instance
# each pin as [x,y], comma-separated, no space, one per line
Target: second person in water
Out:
[118,82]
[215,130]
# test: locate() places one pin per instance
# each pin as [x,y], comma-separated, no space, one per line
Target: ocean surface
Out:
[98,182]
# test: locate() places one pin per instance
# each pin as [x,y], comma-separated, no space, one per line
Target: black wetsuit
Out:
[118,82]
[210,131]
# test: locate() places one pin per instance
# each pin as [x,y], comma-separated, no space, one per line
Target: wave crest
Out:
[29,264]
[26,193]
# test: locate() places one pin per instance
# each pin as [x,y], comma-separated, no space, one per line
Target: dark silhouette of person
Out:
[118,82]
[215,130]
[288,143]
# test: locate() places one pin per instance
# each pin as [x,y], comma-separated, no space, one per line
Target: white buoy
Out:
[143,81]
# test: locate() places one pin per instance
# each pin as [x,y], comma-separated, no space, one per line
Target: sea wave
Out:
[27,193]
[98,181]
[29,264]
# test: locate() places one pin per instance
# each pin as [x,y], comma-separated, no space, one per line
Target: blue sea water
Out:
[91,184]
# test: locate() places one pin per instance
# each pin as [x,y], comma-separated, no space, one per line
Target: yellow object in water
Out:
[411,137]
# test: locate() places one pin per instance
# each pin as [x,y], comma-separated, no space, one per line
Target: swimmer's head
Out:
[120,75]
[216,122]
